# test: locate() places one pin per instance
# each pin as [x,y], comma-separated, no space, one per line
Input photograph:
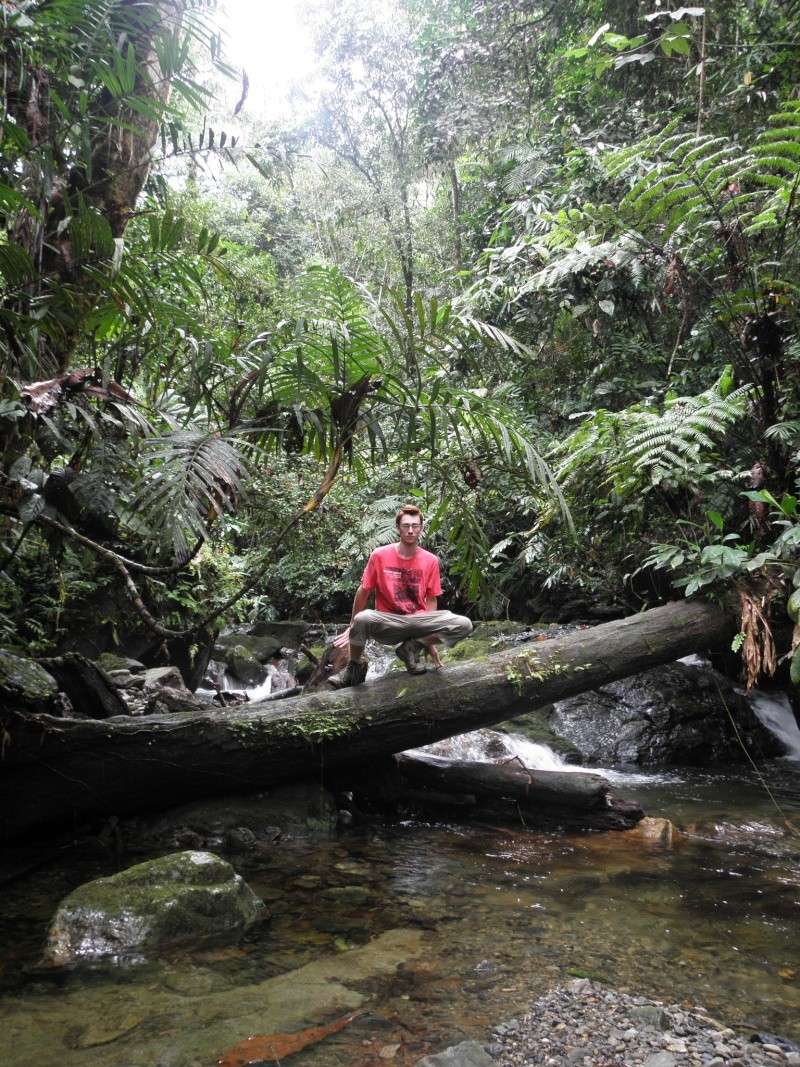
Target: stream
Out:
[490,917]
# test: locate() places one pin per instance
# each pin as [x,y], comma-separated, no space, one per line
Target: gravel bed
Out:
[584,1024]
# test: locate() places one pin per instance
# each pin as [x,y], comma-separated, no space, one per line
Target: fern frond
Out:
[191,477]
[670,442]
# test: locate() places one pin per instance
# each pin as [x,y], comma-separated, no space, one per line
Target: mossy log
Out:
[54,771]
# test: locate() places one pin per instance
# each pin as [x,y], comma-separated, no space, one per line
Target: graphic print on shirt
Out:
[405,583]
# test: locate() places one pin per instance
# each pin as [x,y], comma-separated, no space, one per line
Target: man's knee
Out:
[458,627]
[361,626]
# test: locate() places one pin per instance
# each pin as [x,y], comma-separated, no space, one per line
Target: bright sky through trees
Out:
[268,39]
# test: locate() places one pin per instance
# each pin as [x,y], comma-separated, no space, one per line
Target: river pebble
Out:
[583,1024]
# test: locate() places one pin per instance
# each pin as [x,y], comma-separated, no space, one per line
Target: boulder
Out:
[183,898]
[676,714]
[110,662]
[169,698]
[24,684]
[160,677]
[303,810]
[261,647]
[245,666]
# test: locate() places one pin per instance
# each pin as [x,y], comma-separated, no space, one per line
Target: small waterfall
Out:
[491,746]
[775,712]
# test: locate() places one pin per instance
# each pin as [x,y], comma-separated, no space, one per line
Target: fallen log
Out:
[508,788]
[57,770]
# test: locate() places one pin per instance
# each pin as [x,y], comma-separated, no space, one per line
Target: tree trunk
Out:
[55,770]
[508,789]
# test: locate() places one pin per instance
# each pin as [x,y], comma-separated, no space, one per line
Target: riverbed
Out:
[709,914]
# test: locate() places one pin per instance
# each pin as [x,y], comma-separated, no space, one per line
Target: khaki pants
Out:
[390,629]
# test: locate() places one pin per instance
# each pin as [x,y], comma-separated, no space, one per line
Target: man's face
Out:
[410,528]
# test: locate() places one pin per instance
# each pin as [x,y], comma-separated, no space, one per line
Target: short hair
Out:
[408,509]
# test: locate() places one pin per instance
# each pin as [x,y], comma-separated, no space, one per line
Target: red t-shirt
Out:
[402,584]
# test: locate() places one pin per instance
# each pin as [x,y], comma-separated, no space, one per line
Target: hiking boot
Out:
[409,652]
[354,674]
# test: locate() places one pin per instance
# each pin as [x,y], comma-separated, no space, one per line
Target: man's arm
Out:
[360,600]
[430,603]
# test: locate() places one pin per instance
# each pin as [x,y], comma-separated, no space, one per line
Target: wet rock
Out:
[588,1023]
[24,684]
[123,679]
[289,633]
[161,677]
[301,810]
[111,662]
[246,654]
[347,894]
[186,897]
[465,1054]
[245,667]
[169,698]
[240,839]
[650,1015]
[675,714]
[104,1031]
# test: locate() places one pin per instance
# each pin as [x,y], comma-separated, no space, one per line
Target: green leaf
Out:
[716,518]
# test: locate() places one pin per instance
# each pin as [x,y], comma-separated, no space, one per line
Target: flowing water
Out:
[485,918]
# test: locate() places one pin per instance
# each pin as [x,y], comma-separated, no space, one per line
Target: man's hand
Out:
[343,639]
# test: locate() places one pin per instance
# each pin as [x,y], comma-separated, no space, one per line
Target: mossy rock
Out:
[25,683]
[535,726]
[261,648]
[301,809]
[111,661]
[183,898]
[245,666]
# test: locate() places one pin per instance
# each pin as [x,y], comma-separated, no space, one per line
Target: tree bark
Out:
[55,770]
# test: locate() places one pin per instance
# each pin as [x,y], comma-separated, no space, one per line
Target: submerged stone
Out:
[465,1054]
[186,897]
[302,809]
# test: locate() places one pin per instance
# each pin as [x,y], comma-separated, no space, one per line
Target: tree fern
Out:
[638,446]
[669,444]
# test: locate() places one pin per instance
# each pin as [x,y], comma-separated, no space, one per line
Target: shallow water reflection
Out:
[487,918]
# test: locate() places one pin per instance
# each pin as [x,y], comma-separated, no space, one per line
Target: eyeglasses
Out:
[410,525]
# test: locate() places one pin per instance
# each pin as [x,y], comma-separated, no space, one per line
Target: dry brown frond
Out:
[758,648]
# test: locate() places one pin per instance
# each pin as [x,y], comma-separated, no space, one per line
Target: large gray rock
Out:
[161,677]
[244,666]
[112,661]
[186,897]
[261,647]
[25,684]
[675,714]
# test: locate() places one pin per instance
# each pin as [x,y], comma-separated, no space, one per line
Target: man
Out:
[405,581]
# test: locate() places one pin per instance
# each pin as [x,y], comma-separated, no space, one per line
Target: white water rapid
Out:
[487,746]
[775,712]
